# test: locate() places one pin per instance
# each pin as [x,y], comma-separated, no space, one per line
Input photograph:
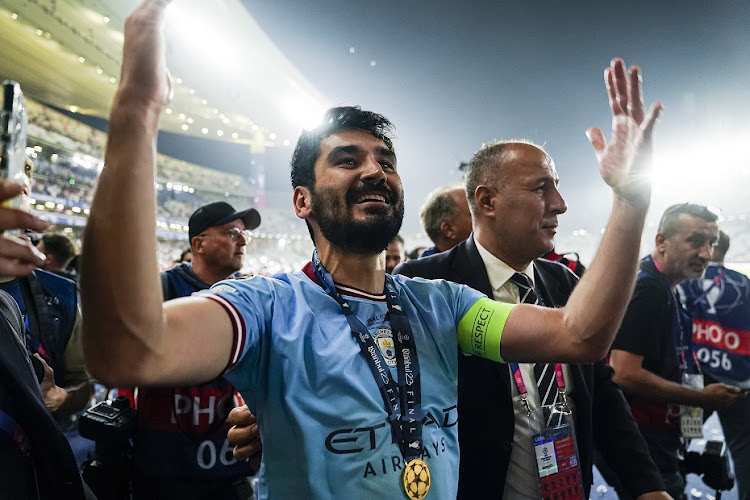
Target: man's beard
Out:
[362,237]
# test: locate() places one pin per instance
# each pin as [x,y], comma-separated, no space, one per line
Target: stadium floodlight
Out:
[208,43]
[303,110]
[685,167]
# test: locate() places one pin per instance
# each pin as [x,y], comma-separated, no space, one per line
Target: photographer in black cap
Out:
[180,450]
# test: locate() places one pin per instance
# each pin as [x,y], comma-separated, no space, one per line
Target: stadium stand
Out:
[68,158]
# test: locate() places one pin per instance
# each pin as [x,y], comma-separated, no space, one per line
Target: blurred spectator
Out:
[394,254]
[445,218]
[59,251]
[186,255]
[415,253]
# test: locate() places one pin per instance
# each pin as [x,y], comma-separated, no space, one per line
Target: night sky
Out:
[453,75]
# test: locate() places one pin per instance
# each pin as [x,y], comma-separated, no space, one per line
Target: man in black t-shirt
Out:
[651,354]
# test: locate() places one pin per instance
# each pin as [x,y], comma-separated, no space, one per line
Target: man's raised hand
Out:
[625,161]
[144,78]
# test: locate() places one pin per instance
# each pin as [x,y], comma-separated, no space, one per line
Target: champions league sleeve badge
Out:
[416,479]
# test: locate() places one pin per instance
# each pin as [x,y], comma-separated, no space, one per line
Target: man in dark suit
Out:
[512,191]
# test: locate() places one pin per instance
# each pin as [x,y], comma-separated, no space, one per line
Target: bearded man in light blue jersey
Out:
[352,373]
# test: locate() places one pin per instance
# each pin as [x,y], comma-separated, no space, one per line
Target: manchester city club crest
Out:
[384,340]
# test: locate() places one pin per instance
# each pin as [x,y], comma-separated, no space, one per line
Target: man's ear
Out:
[48,260]
[196,245]
[447,230]
[484,199]
[661,242]
[302,202]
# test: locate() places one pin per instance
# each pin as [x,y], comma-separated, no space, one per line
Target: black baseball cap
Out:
[218,214]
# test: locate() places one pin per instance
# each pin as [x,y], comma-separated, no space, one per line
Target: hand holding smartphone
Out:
[13,123]
[17,255]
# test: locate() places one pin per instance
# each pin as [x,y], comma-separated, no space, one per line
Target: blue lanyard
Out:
[679,327]
[406,426]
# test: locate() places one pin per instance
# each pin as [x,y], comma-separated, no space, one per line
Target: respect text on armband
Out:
[479,331]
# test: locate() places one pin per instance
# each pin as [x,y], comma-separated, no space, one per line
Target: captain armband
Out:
[481,328]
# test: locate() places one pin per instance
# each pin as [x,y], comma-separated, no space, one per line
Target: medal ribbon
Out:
[406,426]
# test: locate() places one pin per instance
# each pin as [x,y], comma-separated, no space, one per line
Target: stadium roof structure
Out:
[231,82]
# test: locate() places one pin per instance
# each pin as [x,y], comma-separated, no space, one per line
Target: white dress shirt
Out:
[522,480]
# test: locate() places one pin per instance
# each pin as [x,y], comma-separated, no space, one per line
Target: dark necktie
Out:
[544,372]
[526,293]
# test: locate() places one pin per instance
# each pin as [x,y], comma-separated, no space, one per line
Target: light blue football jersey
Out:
[322,420]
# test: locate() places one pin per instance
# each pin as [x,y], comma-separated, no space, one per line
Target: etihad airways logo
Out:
[364,439]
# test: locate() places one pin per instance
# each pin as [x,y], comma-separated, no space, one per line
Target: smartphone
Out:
[13,123]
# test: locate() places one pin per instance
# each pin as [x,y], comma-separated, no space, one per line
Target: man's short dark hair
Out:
[398,238]
[439,205]
[485,162]
[670,220]
[335,120]
[60,247]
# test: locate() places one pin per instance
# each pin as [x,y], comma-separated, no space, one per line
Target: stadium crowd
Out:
[489,366]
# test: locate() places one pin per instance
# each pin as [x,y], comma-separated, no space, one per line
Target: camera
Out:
[109,422]
[709,460]
[108,469]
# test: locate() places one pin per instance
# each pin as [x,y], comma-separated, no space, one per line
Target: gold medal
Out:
[416,479]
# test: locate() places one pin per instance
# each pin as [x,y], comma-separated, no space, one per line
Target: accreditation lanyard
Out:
[679,327]
[406,426]
[518,378]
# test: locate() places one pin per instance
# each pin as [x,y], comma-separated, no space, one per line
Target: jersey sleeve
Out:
[249,304]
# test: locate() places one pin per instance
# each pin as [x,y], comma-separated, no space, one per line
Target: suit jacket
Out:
[486,423]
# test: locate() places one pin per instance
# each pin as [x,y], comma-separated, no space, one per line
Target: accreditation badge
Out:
[691,418]
[416,479]
[556,453]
